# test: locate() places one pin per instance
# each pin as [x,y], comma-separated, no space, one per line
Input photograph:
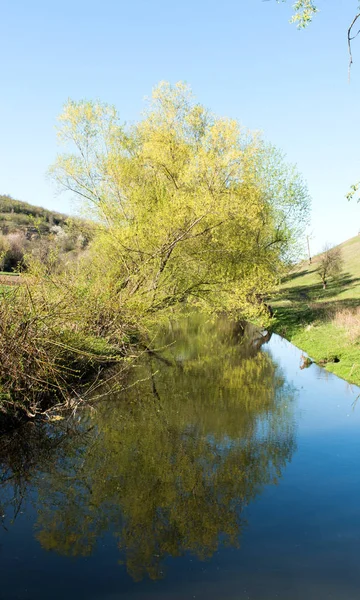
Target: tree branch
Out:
[350,38]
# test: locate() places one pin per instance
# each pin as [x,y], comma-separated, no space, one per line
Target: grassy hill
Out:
[21,216]
[324,323]
[32,231]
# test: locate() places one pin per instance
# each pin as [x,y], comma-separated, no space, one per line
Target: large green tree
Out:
[193,207]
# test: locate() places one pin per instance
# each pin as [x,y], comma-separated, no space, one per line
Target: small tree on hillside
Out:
[330,264]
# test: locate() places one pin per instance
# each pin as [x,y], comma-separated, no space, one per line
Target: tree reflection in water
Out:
[168,466]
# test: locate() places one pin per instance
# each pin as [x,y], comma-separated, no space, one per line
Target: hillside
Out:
[324,323]
[31,231]
[21,216]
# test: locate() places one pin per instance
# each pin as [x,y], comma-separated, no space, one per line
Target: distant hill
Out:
[21,216]
[35,231]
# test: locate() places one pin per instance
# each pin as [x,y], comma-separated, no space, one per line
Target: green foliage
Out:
[304,11]
[353,191]
[195,208]
[190,210]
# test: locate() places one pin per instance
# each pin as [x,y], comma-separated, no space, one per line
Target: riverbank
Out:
[54,346]
[324,323]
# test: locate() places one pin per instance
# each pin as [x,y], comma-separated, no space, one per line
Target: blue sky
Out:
[242,58]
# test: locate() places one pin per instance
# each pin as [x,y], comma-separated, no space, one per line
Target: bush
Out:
[51,340]
[15,245]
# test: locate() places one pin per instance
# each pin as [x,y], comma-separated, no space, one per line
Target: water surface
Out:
[224,471]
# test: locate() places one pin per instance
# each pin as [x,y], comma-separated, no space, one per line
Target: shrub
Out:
[53,335]
[16,248]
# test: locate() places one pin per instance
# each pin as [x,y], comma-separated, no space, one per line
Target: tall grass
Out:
[54,333]
[349,320]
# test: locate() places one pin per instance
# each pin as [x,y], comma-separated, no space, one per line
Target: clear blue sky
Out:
[242,58]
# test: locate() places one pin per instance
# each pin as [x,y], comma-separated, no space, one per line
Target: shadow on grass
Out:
[315,291]
[295,275]
[312,303]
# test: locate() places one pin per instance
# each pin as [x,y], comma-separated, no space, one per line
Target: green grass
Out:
[305,313]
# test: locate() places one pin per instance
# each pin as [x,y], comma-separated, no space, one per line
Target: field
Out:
[324,323]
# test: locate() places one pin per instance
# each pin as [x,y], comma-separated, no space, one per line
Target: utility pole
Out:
[308,245]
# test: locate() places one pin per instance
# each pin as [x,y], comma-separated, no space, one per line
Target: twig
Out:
[350,38]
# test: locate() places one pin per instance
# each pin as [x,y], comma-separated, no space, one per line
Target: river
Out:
[223,471]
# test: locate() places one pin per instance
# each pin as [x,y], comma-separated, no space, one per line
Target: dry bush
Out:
[17,248]
[349,319]
[49,345]
[33,361]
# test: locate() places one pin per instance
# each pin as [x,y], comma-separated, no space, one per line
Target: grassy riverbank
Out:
[324,323]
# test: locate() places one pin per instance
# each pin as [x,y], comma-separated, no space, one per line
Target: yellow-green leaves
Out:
[196,208]
[304,11]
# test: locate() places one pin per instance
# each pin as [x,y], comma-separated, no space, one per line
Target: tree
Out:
[330,264]
[193,207]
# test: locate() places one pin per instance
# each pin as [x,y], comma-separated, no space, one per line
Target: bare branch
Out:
[350,38]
